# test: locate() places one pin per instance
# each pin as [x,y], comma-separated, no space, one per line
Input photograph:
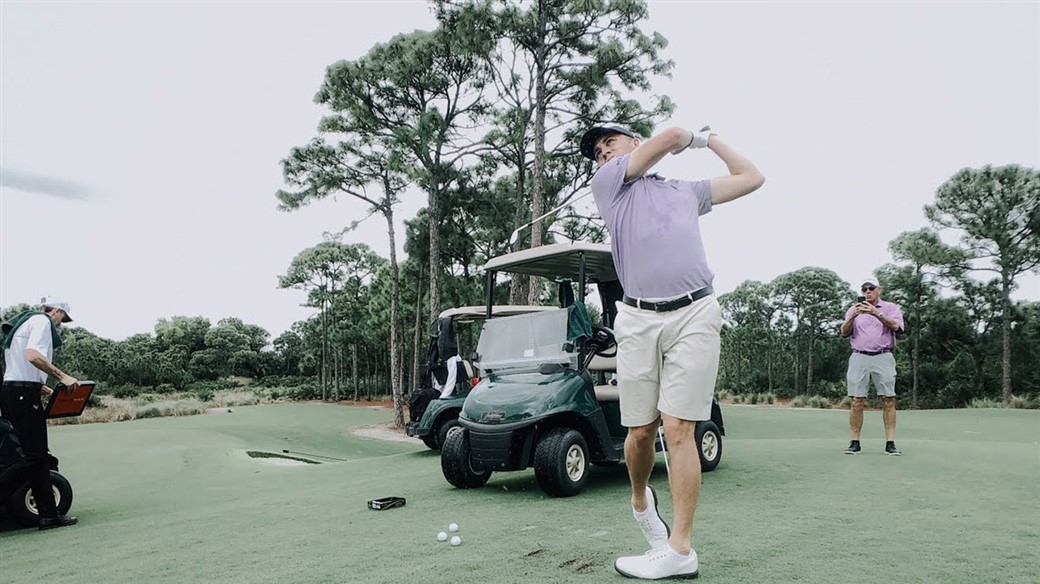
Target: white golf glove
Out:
[700,139]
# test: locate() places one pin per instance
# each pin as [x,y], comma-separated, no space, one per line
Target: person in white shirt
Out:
[30,339]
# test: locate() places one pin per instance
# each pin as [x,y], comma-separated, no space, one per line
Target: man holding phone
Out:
[873,325]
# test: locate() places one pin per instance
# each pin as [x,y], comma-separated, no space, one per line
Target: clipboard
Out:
[69,404]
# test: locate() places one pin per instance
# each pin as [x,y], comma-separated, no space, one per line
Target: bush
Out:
[753,399]
[810,401]
[769,398]
[125,391]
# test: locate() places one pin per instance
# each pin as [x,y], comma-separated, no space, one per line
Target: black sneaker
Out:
[891,450]
[853,447]
[59,521]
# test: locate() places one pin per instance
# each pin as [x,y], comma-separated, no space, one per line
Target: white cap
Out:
[869,280]
[64,306]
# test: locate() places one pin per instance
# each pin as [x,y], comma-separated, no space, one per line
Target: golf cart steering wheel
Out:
[602,341]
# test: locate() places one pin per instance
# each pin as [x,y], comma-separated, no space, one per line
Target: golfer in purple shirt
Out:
[668,324]
[873,325]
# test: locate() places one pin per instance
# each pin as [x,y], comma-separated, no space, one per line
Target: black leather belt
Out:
[669,305]
[25,384]
[872,353]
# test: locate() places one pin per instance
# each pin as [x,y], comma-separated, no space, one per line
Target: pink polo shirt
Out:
[870,334]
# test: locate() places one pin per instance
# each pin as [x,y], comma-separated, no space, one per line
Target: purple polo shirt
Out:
[870,334]
[655,232]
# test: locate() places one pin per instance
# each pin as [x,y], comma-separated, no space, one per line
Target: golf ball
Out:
[453,527]
[442,536]
[456,540]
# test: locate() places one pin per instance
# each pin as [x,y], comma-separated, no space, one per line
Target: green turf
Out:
[177,500]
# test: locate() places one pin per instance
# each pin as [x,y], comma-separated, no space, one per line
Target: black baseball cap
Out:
[588,141]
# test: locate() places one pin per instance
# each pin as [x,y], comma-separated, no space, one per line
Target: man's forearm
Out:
[40,362]
[890,324]
[846,327]
[736,162]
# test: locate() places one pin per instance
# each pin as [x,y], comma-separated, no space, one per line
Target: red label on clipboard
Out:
[68,404]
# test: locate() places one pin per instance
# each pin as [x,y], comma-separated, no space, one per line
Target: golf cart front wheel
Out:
[457,462]
[22,504]
[561,462]
[709,445]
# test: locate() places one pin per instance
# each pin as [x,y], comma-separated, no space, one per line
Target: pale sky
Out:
[140,142]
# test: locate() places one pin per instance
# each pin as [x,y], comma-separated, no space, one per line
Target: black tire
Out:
[22,505]
[709,445]
[430,440]
[457,465]
[445,427]
[561,462]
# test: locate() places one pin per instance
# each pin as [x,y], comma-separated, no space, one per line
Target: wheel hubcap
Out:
[710,446]
[575,462]
[30,501]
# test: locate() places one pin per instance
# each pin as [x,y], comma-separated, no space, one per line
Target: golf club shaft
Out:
[660,435]
[516,232]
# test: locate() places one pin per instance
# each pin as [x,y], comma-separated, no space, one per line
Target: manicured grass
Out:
[178,500]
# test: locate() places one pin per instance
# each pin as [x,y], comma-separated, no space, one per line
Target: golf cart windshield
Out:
[527,341]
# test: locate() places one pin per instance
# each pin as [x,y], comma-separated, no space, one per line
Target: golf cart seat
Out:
[607,364]
[607,393]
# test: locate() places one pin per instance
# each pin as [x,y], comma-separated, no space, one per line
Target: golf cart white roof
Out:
[558,260]
[473,313]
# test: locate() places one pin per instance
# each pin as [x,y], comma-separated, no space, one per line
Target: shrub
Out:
[810,401]
[769,398]
[753,399]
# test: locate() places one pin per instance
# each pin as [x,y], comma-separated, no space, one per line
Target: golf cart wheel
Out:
[22,505]
[561,462]
[430,440]
[709,445]
[445,428]
[457,463]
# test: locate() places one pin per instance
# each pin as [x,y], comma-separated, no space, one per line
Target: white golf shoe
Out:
[654,528]
[658,565]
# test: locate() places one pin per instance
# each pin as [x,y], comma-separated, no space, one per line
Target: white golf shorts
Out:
[667,362]
[881,369]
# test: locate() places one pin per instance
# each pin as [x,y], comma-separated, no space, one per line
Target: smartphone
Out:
[861,299]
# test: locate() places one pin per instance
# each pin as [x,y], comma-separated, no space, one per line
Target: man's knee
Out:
[677,431]
[888,401]
[643,435]
[859,402]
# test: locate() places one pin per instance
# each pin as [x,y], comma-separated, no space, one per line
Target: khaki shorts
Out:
[667,362]
[881,369]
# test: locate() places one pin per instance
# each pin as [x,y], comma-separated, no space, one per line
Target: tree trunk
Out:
[538,170]
[395,349]
[324,353]
[435,252]
[1006,282]
[915,361]
[809,365]
[417,344]
[335,374]
[353,372]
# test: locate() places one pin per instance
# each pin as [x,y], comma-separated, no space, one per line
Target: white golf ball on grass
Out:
[453,527]
[442,536]
[456,540]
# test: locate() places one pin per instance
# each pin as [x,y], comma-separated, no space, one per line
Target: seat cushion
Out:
[607,393]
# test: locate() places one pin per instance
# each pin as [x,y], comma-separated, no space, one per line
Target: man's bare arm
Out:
[649,153]
[40,362]
[744,177]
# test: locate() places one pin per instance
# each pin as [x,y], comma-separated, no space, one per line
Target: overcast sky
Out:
[140,142]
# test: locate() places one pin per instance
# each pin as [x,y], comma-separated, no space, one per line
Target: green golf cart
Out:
[447,376]
[547,398]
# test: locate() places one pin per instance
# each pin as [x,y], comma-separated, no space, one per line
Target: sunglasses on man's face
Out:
[868,289]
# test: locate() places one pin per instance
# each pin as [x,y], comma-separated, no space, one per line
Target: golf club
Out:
[314,455]
[516,232]
[660,435]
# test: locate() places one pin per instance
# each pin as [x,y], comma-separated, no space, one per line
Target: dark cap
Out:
[588,141]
